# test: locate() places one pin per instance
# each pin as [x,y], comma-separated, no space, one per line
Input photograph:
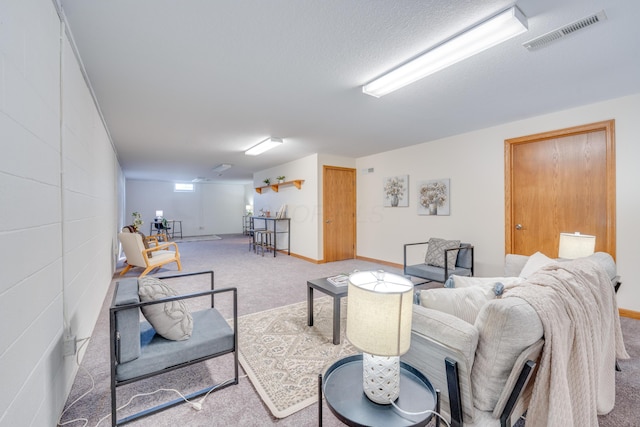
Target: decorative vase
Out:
[433,209]
[394,200]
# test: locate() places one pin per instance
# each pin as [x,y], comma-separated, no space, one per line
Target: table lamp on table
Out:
[576,245]
[379,312]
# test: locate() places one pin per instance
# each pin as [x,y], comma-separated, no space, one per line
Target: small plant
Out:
[280,178]
[137,220]
[266,181]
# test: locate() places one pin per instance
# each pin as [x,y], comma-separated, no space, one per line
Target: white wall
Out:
[209,209]
[304,206]
[57,221]
[475,164]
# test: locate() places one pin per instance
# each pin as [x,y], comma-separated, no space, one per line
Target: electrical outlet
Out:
[69,345]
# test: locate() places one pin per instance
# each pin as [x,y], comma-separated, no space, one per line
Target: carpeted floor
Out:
[263,283]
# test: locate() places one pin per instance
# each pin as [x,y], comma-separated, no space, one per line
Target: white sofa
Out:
[480,349]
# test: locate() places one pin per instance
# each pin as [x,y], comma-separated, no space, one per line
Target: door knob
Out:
[518,226]
[328,221]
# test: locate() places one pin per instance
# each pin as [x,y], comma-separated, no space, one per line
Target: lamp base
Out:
[381,378]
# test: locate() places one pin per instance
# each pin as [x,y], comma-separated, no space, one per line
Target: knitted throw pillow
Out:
[171,320]
[435,252]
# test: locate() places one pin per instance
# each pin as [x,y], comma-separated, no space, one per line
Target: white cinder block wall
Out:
[58,195]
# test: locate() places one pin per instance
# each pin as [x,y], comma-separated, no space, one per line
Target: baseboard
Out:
[629,313]
[379,261]
[304,258]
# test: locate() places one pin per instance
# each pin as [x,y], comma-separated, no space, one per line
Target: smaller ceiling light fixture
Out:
[486,34]
[263,146]
[576,245]
[221,167]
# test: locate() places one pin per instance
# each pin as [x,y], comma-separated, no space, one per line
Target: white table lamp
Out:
[576,245]
[379,312]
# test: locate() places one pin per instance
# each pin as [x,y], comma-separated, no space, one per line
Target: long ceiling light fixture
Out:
[263,146]
[482,36]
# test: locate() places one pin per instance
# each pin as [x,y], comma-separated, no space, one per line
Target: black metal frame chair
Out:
[464,265]
[115,348]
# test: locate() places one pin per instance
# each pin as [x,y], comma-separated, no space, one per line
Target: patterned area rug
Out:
[282,356]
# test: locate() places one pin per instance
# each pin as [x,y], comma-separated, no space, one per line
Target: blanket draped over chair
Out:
[576,378]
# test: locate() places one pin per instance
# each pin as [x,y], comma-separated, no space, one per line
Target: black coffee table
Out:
[343,392]
[337,292]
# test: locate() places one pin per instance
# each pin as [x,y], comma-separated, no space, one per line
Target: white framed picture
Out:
[396,191]
[434,197]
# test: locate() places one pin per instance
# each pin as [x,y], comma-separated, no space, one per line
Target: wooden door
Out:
[339,213]
[560,181]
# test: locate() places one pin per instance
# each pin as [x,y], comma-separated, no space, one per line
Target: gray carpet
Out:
[263,283]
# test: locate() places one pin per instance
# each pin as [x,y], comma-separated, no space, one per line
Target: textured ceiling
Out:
[187,85]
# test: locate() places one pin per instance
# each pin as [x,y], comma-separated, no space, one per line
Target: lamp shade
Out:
[379,312]
[576,245]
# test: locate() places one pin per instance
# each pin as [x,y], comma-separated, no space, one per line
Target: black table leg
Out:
[309,306]
[336,320]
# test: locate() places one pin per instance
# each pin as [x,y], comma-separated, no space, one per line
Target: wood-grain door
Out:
[339,213]
[560,181]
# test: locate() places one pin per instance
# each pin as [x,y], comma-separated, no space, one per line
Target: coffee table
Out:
[344,395]
[337,292]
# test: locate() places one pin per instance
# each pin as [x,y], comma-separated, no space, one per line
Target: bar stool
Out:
[264,240]
[253,238]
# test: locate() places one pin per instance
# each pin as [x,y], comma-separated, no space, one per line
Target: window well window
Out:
[184,187]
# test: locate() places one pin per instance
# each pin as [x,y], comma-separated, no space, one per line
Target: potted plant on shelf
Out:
[267,181]
[280,179]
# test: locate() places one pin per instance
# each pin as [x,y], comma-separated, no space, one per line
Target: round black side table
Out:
[343,392]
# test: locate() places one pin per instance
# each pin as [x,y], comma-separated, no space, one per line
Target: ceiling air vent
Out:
[561,32]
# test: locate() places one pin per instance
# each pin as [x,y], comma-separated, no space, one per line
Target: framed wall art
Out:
[433,197]
[396,191]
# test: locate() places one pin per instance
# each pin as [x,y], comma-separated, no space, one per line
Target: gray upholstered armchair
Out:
[440,259]
[171,338]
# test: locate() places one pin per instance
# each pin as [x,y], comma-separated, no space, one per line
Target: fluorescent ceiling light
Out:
[263,146]
[482,36]
[221,167]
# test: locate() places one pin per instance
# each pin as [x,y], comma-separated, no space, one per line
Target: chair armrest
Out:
[515,396]
[152,239]
[446,259]
[405,253]
[196,273]
[179,297]
[436,336]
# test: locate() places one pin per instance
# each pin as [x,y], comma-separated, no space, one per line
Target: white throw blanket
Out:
[576,376]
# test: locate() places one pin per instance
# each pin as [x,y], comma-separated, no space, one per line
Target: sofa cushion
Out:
[507,326]
[535,263]
[514,263]
[127,320]
[447,329]
[464,303]
[211,335]
[170,319]
[435,252]
[456,281]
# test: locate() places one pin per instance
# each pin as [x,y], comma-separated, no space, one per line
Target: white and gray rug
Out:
[282,356]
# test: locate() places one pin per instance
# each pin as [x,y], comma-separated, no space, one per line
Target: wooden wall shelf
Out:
[275,187]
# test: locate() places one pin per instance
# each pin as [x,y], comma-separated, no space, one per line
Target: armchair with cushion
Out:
[171,338]
[479,350]
[442,258]
[497,347]
[148,256]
